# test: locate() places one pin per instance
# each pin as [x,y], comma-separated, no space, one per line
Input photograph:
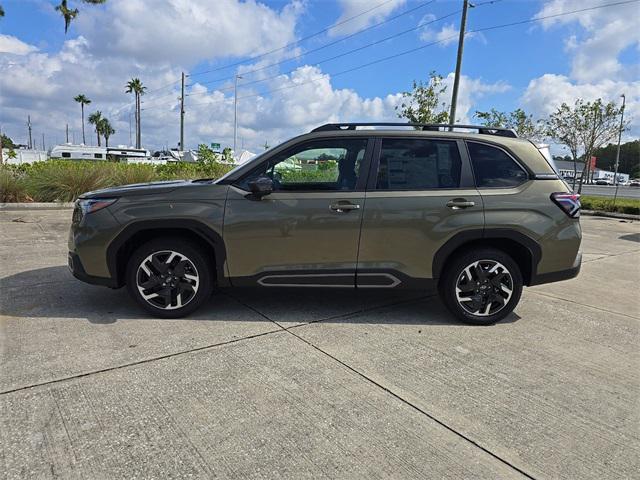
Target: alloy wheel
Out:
[167,280]
[484,287]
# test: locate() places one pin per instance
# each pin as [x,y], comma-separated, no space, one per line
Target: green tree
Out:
[7,142]
[94,119]
[82,100]
[206,155]
[524,125]
[106,130]
[1,11]
[135,86]
[69,14]
[584,128]
[629,157]
[422,104]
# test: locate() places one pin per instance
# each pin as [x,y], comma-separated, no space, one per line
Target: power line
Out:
[286,46]
[320,32]
[444,40]
[343,54]
[406,12]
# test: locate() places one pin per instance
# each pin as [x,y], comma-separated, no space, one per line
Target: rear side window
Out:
[494,168]
[417,164]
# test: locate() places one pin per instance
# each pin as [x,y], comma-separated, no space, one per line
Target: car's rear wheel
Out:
[481,286]
[169,278]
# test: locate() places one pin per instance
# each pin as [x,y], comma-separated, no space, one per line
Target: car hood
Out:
[139,189]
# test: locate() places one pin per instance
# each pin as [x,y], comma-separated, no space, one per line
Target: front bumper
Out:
[77,269]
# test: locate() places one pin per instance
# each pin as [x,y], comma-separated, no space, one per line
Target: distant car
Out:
[602,182]
[634,183]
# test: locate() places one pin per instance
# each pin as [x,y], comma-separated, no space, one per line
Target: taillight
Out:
[569,203]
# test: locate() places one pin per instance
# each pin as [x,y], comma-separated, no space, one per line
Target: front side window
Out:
[418,164]
[494,168]
[318,165]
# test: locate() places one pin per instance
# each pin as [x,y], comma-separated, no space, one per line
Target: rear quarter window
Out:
[494,168]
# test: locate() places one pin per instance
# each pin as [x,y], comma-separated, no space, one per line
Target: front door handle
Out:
[459,203]
[340,207]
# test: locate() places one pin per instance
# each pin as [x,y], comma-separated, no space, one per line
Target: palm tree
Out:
[69,14]
[66,13]
[94,119]
[82,100]
[135,86]
[107,130]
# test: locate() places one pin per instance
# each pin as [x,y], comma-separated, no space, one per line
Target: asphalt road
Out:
[609,191]
[316,384]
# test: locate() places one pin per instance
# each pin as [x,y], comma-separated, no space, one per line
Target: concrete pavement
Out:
[294,384]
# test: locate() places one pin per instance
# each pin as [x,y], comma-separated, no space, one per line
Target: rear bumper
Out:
[558,276]
[77,269]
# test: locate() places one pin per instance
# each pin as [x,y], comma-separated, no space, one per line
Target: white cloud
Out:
[607,32]
[594,51]
[186,31]
[11,45]
[357,8]
[447,34]
[545,94]
[470,91]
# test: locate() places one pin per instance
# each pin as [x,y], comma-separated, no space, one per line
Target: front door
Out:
[305,233]
[420,194]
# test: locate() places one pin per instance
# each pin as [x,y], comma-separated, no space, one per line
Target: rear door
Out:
[306,232]
[420,193]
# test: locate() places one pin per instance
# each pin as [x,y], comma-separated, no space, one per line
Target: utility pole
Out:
[67,133]
[182,115]
[43,141]
[235,114]
[29,126]
[615,178]
[456,80]
[1,157]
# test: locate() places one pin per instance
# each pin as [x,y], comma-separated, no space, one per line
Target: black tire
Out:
[192,278]
[485,288]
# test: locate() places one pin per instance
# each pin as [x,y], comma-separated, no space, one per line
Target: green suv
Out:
[474,211]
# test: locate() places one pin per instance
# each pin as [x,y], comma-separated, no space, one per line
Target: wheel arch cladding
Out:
[141,232]
[525,251]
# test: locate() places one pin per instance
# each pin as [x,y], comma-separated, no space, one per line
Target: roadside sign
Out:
[215,146]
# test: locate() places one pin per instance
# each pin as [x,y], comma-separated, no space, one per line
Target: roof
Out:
[568,165]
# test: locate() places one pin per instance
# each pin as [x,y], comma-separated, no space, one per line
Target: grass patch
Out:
[65,180]
[605,204]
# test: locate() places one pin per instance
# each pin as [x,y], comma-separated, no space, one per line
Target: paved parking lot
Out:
[308,384]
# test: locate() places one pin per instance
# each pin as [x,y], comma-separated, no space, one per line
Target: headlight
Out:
[91,205]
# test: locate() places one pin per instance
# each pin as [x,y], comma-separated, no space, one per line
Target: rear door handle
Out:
[343,207]
[459,204]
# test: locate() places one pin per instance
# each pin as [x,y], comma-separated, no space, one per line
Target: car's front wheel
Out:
[169,278]
[481,286]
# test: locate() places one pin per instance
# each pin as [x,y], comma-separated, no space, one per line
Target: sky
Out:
[302,62]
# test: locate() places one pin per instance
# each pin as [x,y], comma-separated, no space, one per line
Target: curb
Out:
[6,207]
[600,213]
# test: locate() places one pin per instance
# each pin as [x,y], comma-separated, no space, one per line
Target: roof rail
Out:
[435,127]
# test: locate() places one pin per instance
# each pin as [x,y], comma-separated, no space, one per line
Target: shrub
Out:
[12,186]
[126,174]
[64,181]
[605,204]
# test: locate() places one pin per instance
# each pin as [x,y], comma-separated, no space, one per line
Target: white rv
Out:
[68,151]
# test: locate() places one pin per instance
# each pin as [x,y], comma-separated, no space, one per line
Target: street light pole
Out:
[235,114]
[456,80]
[182,115]
[615,178]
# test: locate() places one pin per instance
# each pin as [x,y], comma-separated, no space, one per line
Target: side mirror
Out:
[260,187]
